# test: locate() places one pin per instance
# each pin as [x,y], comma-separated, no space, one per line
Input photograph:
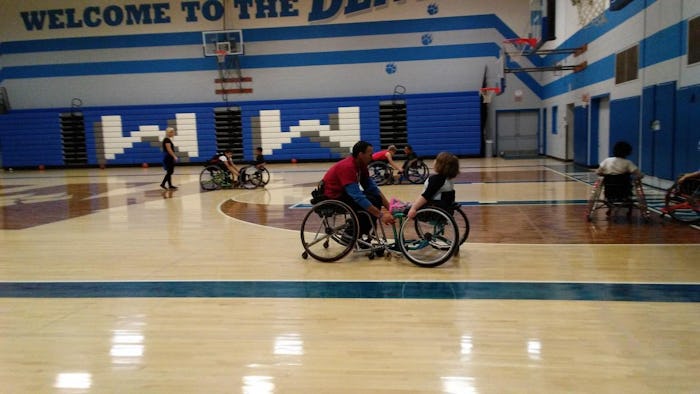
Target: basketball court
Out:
[109,283]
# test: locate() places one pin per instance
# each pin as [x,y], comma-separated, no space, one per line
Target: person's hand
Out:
[387,219]
[412,213]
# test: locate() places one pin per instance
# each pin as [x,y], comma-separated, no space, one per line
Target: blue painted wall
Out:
[440,122]
[624,125]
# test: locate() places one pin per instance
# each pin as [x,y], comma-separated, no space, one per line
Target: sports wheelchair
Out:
[683,201]
[330,231]
[383,174]
[217,176]
[616,191]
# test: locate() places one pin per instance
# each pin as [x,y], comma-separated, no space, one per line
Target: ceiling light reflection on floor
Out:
[73,380]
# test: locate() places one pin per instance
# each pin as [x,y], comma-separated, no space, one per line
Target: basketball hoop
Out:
[488,93]
[515,48]
[221,56]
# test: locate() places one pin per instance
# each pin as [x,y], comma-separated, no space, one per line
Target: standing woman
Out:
[169,159]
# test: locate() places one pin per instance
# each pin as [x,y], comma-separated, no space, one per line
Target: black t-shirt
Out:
[167,140]
[439,191]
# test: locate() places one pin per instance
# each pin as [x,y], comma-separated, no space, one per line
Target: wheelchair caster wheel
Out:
[371,256]
[304,255]
[325,244]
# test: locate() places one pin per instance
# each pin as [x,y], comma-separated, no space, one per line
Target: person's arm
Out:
[390,159]
[232,167]
[353,190]
[418,204]
[435,182]
[635,171]
[601,168]
[689,175]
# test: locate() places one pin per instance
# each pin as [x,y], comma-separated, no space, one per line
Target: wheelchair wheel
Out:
[260,177]
[594,199]
[380,172]
[684,208]
[212,178]
[329,231]
[462,222]
[430,239]
[417,172]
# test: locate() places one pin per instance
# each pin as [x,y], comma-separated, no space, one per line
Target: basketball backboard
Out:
[230,41]
[542,20]
[536,15]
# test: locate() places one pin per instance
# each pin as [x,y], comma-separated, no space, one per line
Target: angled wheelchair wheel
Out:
[430,239]
[260,177]
[682,207]
[417,172]
[380,172]
[462,222]
[212,177]
[329,231]
[246,177]
[594,201]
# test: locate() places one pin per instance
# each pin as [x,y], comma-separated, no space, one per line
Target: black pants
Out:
[365,223]
[169,167]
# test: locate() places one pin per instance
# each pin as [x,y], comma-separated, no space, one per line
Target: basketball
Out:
[102,166]
[294,161]
[41,167]
[144,165]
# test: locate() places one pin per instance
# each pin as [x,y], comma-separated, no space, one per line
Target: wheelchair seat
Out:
[617,191]
[618,188]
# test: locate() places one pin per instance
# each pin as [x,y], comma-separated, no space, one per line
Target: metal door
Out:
[516,132]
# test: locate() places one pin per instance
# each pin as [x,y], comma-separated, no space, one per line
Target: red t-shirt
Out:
[381,155]
[342,174]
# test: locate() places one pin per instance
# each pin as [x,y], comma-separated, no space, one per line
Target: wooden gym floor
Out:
[108,284]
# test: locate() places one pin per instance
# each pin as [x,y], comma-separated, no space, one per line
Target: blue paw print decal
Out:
[427,39]
[390,68]
[432,9]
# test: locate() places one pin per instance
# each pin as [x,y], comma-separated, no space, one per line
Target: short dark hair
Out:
[622,149]
[259,148]
[409,147]
[360,147]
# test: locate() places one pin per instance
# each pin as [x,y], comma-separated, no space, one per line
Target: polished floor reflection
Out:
[108,284]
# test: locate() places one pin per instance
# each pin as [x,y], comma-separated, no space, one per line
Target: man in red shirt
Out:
[348,181]
[387,155]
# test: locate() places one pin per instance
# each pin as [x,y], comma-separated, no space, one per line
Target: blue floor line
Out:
[367,290]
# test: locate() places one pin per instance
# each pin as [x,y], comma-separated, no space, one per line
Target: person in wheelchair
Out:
[348,181]
[411,160]
[617,172]
[387,156]
[439,187]
[225,161]
[259,162]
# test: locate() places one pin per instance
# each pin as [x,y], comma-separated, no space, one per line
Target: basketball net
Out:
[488,93]
[590,11]
[516,48]
[221,56]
